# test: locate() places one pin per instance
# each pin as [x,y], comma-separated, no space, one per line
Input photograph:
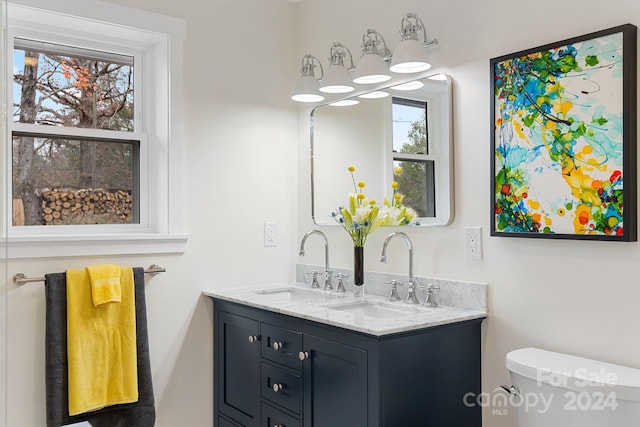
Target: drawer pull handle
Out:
[279,425]
[303,355]
[253,338]
[276,345]
[277,387]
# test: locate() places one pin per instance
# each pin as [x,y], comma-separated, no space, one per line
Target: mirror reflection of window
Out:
[410,151]
[416,135]
[409,118]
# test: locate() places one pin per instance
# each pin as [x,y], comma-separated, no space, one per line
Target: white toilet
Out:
[559,390]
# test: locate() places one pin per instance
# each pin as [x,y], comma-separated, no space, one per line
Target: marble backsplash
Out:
[452,293]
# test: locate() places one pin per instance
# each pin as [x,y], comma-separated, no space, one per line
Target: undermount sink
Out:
[370,307]
[377,309]
[293,293]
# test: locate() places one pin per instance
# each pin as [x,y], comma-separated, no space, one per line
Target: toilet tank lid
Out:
[573,372]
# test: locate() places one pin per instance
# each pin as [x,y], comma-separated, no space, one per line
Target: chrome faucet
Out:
[393,284]
[340,288]
[411,284]
[328,274]
[431,299]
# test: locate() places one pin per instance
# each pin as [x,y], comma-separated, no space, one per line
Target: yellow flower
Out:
[397,196]
[394,184]
[362,216]
[398,170]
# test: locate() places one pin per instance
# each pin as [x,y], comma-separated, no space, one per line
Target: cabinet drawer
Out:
[272,417]
[282,387]
[281,345]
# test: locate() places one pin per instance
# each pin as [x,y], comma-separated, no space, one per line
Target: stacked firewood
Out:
[86,206]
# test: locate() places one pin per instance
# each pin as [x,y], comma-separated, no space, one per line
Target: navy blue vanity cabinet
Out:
[309,374]
[237,373]
[225,422]
[335,383]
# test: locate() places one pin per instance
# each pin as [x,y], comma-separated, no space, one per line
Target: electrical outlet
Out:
[270,234]
[473,243]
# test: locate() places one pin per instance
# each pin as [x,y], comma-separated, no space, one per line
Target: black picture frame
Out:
[564,137]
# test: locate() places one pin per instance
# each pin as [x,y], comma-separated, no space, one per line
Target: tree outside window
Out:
[410,151]
[73,179]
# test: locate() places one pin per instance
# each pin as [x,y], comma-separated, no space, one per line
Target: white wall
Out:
[571,296]
[240,171]
[242,146]
[3,266]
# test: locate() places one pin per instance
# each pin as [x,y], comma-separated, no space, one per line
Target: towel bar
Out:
[21,279]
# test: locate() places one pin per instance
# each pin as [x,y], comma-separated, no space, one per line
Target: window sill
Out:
[92,245]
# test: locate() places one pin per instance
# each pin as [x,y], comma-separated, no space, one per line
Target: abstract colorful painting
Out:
[564,139]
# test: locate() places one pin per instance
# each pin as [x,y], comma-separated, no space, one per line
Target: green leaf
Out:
[600,120]
[348,219]
[591,60]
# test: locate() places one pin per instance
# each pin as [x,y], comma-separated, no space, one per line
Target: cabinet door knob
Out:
[276,345]
[253,338]
[277,387]
[303,355]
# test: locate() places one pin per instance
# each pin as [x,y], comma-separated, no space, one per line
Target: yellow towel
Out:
[101,345]
[105,284]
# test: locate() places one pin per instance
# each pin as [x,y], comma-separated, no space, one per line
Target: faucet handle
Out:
[394,289]
[431,300]
[327,280]
[340,287]
[411,292]
[314,279]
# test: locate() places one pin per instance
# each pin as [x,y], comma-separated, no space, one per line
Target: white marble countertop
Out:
[373,314]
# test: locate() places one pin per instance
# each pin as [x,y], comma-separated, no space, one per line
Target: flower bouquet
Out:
[359,218]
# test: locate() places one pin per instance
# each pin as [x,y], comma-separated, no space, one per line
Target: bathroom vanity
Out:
[302,358]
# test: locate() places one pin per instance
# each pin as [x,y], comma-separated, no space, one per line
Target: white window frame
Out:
[155,41]
[398,156]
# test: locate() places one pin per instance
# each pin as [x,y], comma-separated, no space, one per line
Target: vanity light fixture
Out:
[307,88]
[372,67]
[410,55]
[337,78]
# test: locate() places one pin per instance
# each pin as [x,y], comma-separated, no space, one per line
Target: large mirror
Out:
[409,127]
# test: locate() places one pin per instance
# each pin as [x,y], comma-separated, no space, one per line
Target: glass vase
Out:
[358,271]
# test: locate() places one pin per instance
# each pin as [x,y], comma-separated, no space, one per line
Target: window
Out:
[411,151]
[60,180]
[95,156]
